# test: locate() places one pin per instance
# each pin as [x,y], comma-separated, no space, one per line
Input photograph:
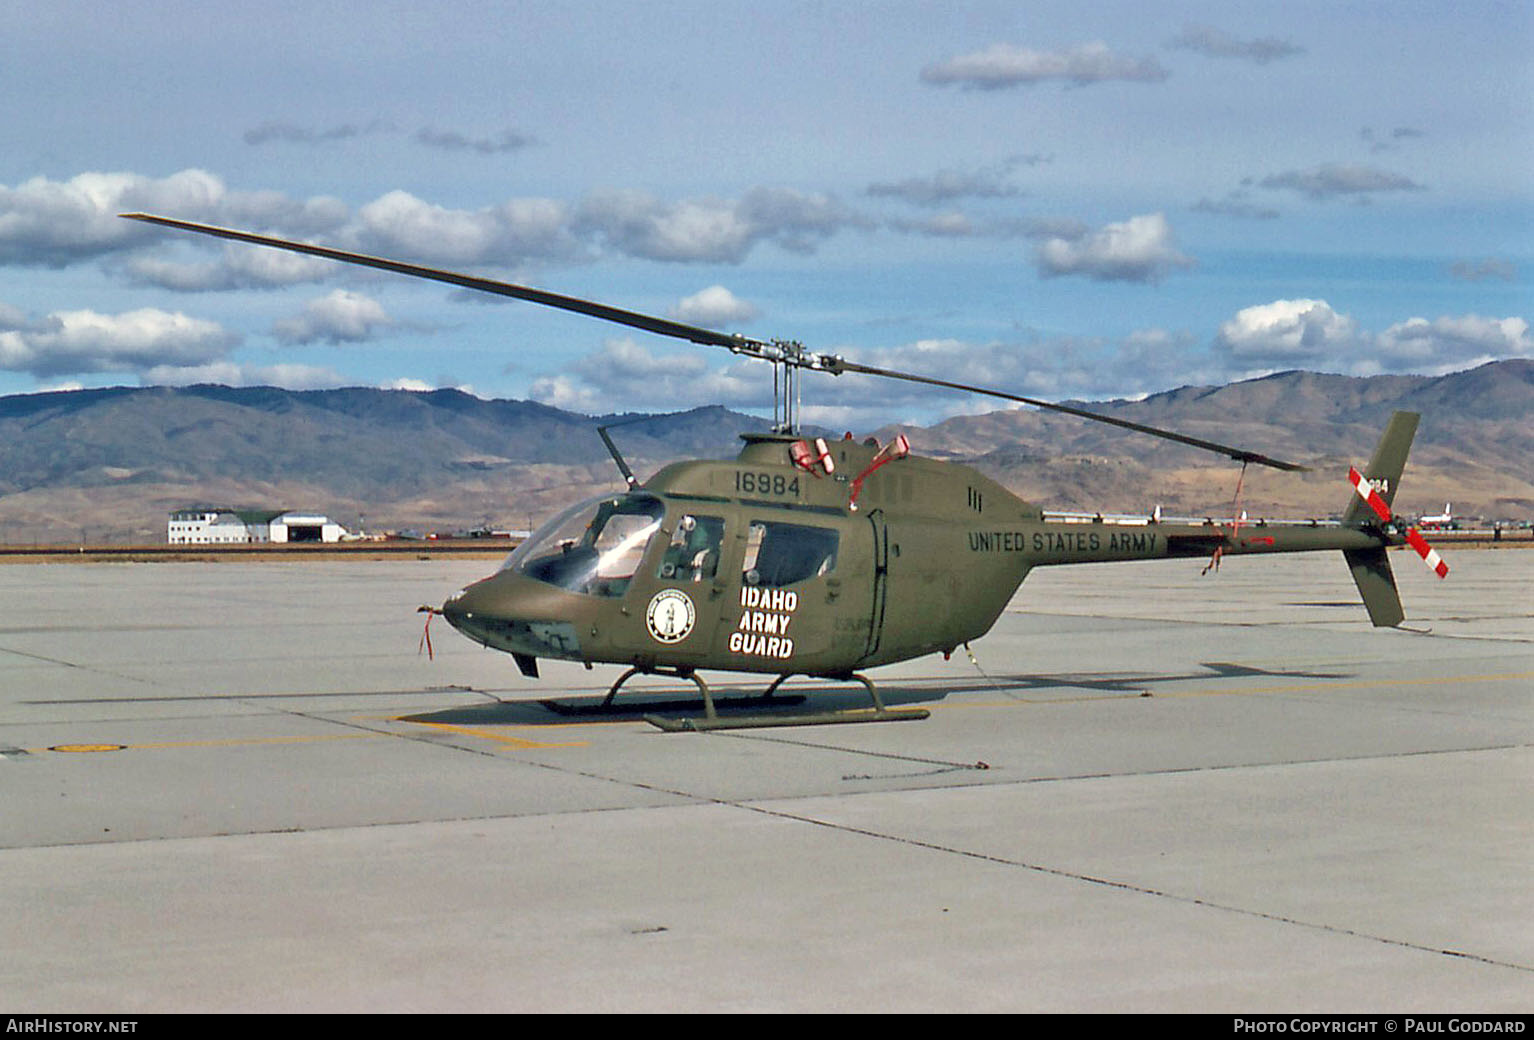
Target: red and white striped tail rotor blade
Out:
[1413,537]
[1368,494]
[1427,552]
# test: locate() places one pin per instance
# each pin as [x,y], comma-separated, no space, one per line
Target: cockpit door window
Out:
[693,554]
[779,554]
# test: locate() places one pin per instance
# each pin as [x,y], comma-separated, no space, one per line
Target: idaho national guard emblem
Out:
[670,616]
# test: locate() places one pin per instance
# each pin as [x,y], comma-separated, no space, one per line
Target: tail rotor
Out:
[1413,537]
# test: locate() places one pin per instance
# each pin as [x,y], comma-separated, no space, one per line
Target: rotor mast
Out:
[787,357]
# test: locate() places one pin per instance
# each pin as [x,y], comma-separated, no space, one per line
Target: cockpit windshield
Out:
[593,548]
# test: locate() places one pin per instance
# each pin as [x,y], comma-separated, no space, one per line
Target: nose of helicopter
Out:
[511,613]
[468,609]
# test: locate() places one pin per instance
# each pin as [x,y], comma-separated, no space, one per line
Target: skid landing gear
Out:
[710,705]
[712,720]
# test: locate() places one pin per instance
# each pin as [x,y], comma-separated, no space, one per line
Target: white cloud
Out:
[432,137]
[958,224]
[714,306]
[713,230]
[625,374]
[948,224]
[1310,334]
[1002,65]
[1051,368]
[238,267]
[1236,204]
[78,342]
[453,141]
[57,223]
[1331,180]
[1287,332]
[292,133]
[338,317]
[565,391]
[1379,142]
[515,232]
[696,229]
[229,373]
[1214,43]
[51,223]
[1491,268]
[421,386]
[1139,249]
[1418,344]
[948,185]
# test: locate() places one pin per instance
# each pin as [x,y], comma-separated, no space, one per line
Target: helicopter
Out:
[803,557]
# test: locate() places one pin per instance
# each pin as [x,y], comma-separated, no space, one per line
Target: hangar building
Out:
[217,525]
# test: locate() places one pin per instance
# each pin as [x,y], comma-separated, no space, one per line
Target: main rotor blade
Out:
[1239,454]
[662,326]
[778,351]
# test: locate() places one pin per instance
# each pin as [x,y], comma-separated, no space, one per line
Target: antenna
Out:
[612,449]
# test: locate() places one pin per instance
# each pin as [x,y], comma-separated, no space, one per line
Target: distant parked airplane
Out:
[1444,519]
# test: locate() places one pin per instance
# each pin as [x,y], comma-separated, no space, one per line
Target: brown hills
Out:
[109,465]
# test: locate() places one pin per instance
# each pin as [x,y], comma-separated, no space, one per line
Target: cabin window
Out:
[594,548]
[693,554]
[780,554]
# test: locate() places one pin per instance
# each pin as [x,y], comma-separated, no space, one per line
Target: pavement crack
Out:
[1138,889]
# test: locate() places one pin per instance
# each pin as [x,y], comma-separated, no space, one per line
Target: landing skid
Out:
[607,708]
[712,720]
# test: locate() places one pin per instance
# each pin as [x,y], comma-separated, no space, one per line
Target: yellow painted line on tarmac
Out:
[516,743]
[513,742]
[166,745]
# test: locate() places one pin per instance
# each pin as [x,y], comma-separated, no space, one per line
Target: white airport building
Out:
[216,525]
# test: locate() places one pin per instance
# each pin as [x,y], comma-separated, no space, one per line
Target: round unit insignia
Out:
[670,616]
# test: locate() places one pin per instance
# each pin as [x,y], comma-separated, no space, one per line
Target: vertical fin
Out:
[1384,472]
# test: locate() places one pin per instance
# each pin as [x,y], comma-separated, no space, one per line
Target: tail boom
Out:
[1365,533]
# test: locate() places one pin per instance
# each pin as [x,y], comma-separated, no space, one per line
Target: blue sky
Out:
[1059,199]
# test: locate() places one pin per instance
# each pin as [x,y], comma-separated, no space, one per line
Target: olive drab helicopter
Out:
[824,559]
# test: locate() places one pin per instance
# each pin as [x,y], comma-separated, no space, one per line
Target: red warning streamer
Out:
[1235,527]
[898,448]
[430,613]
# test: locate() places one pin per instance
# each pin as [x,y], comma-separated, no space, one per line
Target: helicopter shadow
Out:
[728,700]
[1139,684]
[822,697]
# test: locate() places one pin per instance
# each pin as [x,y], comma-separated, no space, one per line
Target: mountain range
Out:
[110,464]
